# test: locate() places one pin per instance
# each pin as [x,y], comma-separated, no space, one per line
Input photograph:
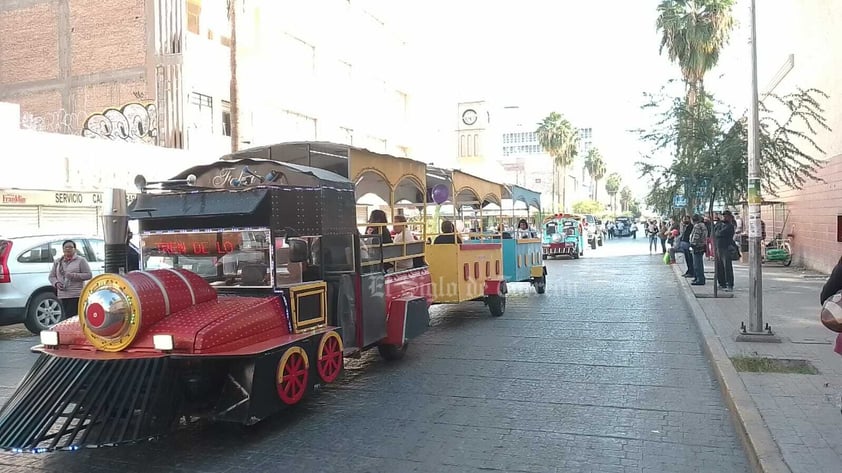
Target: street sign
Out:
[679,201]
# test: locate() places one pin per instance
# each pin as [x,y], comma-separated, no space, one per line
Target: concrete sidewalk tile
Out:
[800,413]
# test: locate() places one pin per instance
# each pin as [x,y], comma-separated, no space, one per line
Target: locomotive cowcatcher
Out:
[249,295]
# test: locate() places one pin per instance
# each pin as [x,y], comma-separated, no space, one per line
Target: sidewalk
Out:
[789,422]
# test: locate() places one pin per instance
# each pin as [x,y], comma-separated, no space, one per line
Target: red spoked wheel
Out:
[330,359]
[292,375]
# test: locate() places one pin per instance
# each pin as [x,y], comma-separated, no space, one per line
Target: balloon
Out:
[440,193]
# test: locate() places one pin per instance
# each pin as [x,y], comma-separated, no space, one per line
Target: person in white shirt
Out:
[402,235]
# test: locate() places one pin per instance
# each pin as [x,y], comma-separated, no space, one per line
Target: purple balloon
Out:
[440,193]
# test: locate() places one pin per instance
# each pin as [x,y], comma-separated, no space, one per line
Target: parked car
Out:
[25,263]
[593,228]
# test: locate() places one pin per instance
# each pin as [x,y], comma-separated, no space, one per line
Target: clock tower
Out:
[472,131]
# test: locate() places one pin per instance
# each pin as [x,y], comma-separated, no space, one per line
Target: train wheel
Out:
[392,352]
[497,305]
[540,285]
[330,359]
[292,375]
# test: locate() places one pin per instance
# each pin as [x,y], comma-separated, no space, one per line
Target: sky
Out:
[590,60]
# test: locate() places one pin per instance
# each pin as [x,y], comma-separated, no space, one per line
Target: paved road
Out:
[604,373]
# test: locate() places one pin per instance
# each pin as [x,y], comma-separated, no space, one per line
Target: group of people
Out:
[695,238]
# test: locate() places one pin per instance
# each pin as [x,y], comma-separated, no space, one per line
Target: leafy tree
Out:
[787,149]
[588,207]
[560,140]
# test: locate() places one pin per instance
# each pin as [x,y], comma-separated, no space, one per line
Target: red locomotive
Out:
[251,293]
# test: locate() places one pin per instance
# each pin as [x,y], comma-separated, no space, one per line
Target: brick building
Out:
[158,71]
[94,68]
[800,46]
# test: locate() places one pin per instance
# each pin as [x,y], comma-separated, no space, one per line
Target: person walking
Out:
[68,276]
[698,240]
[723,234]
[652,233]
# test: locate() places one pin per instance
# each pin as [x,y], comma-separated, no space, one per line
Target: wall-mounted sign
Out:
[53,198]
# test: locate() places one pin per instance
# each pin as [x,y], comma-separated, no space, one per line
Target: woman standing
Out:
[68,277]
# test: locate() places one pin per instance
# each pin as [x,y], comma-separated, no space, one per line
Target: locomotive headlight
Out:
[556,237]
[162,342]
[107,312]
[49,338]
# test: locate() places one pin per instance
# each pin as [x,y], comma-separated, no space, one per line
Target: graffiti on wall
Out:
[59,121]
[133,123]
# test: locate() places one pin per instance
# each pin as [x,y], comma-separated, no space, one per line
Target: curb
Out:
[763,453]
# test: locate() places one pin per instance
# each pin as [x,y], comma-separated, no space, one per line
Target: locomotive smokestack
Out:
[115,225]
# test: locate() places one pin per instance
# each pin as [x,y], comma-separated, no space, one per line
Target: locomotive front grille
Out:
[66,403]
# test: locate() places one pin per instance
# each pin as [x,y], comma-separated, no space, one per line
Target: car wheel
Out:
[44,311]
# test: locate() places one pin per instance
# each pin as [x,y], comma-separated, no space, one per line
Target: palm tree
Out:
[560,140]
[694,32]
[612,186]
[625,198]
[595,166]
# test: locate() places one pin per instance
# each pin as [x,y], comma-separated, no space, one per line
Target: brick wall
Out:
[106,36]
[813,212]
[28,44]
[104,66]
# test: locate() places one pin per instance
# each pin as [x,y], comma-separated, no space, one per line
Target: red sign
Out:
[13,199]
[194,244]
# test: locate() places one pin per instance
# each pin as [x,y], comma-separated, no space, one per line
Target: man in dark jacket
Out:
[723,234]
[684,246]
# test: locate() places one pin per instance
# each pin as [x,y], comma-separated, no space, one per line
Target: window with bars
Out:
[201,111]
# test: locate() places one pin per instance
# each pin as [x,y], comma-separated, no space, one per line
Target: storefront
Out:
[32,212]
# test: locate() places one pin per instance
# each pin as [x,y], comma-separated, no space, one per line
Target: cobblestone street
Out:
[603,373]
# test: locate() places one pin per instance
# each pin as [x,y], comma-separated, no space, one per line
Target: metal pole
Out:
[755,304]
[755,276]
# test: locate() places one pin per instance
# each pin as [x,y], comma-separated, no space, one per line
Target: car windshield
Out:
[221,257]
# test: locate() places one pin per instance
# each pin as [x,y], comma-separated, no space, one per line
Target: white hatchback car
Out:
[25,263]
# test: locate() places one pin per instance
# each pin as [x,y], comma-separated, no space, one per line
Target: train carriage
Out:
[564,235]
[459,272]
[252,289]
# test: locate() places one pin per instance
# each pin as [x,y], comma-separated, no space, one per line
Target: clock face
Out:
[469,117]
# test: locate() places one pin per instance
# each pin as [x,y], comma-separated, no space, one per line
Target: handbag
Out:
[831,315]
[734,251]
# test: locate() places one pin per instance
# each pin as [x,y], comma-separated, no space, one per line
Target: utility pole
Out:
[756,331]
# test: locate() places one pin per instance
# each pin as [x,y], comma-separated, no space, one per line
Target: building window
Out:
[201,111]
[476,146]
[194,11]
[462,146]
[226,118]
